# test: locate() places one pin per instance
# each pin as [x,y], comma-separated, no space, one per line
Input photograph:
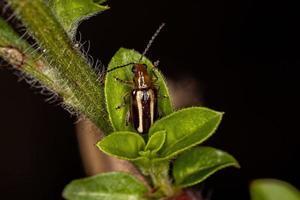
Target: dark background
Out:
[245,56]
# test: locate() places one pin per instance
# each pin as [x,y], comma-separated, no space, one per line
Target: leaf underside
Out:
[271,189]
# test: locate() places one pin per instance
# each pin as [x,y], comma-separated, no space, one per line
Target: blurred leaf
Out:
[196,165]
[71,12]
[122,144]
[115,91]
[186,128]
[271,189]
[107,186]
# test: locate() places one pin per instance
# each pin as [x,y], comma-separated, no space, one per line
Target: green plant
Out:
[59,65]
[272,189]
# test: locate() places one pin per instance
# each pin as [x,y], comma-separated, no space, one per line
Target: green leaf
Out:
[115,91]
[108,186]
[122,144]
[156,142]
[186,128]
[194,166]
[71,12]
[271,189]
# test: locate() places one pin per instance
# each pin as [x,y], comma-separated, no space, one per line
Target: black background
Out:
[245,55]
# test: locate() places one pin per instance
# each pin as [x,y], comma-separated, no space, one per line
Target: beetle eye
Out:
[133,69]
[145,66]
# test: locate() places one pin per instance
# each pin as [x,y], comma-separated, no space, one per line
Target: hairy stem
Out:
[59,52]
[158,171]
[160,178]
[19,54]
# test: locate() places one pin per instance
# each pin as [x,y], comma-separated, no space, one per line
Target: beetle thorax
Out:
[141,77]
[142,82]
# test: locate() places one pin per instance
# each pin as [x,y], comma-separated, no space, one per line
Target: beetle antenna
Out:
[119,67]
[151,41]
[145,51]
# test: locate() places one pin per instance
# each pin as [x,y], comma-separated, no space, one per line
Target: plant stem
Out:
[19,54]
[159,174]
[72,67]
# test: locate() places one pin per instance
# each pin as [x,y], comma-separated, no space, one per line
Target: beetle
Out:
[144,94]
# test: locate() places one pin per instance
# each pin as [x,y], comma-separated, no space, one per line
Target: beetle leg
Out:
[155,79]
[160,114]
[156,63]
[127,83]
[159,95]
[162,96]
[125,96]
[128,118]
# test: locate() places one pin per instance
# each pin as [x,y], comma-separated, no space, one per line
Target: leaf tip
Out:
[237,164]
[99,145]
